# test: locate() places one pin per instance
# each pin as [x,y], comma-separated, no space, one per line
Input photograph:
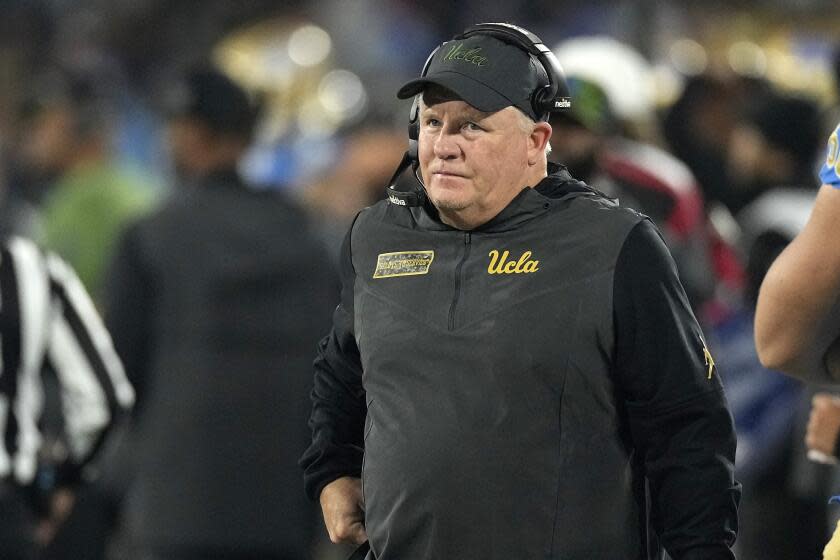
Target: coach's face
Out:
[474,163]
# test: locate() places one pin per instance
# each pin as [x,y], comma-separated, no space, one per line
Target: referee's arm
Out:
[94,388]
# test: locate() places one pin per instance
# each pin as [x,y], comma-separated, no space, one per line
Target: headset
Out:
[551,97]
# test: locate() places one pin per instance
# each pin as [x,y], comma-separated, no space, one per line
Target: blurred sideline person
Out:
[67,151]
[47,319]
[797,316]
[699,127]
[366,161]
[514,361]
[773,146]
[215,301]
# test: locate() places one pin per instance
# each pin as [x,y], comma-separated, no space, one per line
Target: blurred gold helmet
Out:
[288,63]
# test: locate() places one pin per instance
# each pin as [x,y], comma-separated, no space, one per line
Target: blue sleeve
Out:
[829,172]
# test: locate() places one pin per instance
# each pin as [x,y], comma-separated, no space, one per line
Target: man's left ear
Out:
[537,141]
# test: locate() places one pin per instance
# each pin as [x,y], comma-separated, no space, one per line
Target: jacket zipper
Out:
[457,294]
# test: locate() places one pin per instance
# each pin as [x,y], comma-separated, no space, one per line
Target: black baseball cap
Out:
[211,97]
[484,71]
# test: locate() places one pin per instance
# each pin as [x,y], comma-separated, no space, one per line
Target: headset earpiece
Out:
[414,115]
[412,197]
[414,129]
[559,99]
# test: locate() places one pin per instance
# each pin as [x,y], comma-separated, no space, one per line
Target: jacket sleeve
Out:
[338,398]
[95,392]
[679,420]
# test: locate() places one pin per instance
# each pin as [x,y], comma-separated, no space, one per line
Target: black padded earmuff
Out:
[414,114]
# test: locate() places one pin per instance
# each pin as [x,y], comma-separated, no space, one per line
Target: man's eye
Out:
[472,126]
[432,122]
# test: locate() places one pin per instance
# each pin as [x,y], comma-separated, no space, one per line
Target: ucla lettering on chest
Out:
[499,264]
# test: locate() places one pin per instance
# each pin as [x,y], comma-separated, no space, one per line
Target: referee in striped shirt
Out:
[47,319]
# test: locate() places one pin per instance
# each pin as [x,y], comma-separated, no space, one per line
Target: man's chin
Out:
[448,203]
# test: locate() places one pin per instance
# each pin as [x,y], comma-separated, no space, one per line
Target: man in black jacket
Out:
[215,299]
[514,370]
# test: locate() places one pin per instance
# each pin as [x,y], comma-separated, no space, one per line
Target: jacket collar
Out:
[557,186]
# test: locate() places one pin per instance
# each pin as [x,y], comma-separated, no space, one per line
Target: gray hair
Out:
[526,123]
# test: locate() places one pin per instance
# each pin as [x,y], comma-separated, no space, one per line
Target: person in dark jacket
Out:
[215,302]
[514,370]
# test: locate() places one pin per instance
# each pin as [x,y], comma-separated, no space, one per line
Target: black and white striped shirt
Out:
[47,318]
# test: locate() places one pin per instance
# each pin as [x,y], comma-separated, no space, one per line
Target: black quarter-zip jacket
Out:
[524,389]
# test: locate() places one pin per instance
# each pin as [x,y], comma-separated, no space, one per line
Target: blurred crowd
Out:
[198,164]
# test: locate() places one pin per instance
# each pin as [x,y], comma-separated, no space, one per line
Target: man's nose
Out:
[446,146]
